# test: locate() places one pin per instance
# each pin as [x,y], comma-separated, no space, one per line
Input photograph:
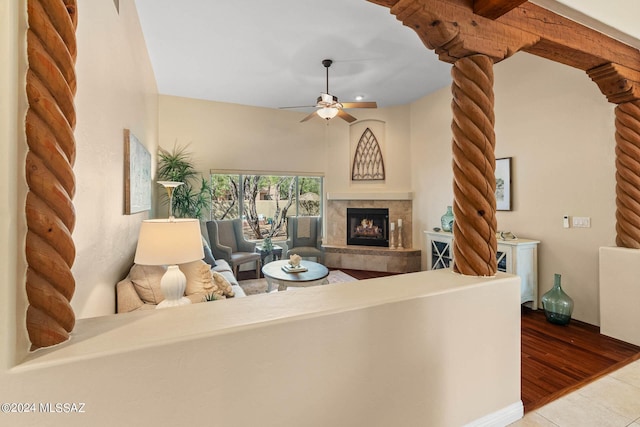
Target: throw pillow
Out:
[146,281]
[199,278]
[223,284]
[208,256]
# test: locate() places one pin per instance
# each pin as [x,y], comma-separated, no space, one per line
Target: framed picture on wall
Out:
[137,175]
[503,184]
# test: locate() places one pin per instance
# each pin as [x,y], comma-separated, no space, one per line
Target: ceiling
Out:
[269,53]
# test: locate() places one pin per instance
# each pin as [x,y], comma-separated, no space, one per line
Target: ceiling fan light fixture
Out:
[328,112]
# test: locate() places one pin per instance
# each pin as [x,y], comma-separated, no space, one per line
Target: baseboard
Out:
[501,418]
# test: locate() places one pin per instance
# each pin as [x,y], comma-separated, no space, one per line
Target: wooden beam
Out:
[618,83]
[493,9]
[568,42]
[453,31]
[452,26]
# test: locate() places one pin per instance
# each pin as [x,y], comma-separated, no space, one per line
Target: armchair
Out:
[228,243]
[304,237]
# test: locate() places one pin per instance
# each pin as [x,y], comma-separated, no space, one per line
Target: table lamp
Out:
[170,242]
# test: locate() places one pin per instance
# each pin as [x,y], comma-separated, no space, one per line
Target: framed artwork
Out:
[137,175]
[503,184]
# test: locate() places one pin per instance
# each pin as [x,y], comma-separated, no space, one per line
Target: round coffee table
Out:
[316,274]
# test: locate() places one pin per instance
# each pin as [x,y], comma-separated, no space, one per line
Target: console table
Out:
[516,256]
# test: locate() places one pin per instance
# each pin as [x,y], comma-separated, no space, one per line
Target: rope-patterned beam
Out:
[628,175]
[474,205]
[50,121]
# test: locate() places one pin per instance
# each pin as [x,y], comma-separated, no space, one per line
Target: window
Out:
[267,200]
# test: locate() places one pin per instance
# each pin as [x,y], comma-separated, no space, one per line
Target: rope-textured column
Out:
[474,205]
[628,175]
[50,251]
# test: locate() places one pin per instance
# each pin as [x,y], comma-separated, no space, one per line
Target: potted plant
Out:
[191,199]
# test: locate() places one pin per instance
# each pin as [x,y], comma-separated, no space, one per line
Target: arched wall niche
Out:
[455,29]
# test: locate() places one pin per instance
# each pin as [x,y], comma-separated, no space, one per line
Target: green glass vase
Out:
[447,220]
[557,305]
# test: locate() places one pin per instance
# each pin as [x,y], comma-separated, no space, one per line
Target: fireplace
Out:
[368,226]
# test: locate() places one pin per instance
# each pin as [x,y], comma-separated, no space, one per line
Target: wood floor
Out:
[556,359]
[559,359]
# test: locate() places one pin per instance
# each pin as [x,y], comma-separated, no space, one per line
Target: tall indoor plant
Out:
[192,199]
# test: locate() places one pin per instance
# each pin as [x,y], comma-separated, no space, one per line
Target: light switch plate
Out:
[581,222]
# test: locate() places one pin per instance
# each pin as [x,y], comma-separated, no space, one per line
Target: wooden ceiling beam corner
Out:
[618,83]
[453,31]
[494,9]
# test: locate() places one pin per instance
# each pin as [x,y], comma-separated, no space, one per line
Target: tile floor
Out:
[611,401]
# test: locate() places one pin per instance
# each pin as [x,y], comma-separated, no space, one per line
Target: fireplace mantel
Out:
[389,195]
[340,255]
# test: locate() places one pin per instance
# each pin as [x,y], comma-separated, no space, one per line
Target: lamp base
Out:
[172,284]
[173,303]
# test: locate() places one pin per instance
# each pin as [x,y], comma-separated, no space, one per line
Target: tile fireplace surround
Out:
[340,255]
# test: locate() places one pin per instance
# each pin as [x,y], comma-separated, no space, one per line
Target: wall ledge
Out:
[389,195]
[365,339]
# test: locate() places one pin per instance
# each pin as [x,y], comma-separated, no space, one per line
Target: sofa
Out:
[140,290]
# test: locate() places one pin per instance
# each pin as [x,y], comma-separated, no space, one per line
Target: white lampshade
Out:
[328,112]
[166,242]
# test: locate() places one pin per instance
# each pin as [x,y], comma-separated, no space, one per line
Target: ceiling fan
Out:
[328,105]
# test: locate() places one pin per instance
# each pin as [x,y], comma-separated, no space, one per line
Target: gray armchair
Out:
[228,243]
[304,237]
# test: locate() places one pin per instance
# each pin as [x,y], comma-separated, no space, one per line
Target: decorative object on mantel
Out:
[557,305]
[400,234]
[446,220]
[392,232]
[368,164]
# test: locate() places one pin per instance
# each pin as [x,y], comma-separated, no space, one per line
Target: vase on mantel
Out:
[557,305]
[447,220]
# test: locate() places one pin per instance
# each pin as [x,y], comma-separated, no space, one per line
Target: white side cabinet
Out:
[517,256]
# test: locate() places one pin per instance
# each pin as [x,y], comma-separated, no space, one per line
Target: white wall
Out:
[12,110]
[237,137]
[116,90]
[369,353]
[559,129]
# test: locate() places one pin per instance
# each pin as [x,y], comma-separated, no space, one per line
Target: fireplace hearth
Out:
[368,226]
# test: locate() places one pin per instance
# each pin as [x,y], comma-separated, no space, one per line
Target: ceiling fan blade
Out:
[309,116]
[359,105]
[346,116]
[298,106]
